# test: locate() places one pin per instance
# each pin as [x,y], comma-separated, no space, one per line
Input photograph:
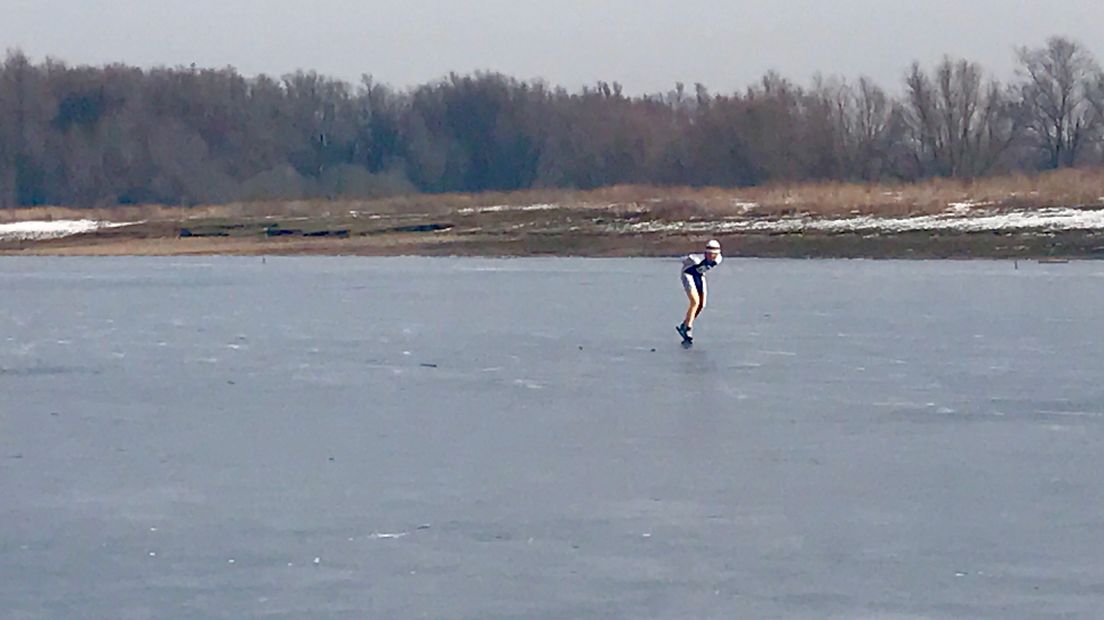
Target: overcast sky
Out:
[647,45]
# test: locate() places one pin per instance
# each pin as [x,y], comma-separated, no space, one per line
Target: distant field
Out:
[1060,213]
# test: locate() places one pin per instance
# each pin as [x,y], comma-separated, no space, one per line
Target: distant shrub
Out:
[349,181]
[279,183]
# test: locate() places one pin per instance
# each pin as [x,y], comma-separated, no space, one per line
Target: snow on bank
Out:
[500,208]
[33,230]
[957,219]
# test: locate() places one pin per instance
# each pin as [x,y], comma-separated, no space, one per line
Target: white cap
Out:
[713,245]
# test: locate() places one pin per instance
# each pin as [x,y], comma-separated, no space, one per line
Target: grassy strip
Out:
[1060,188]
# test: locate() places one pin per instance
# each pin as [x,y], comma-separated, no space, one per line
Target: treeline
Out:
[93,136]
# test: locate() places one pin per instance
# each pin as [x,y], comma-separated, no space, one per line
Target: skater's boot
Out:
[685,332]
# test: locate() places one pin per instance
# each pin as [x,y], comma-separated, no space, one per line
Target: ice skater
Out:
[694,267]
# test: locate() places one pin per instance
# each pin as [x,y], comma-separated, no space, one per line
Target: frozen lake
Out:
[476,438]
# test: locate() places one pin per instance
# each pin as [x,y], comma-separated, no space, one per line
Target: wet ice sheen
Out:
[846,439]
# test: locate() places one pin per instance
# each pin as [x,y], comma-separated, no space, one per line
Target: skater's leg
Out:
[691,289]
[702,295]
[692,311]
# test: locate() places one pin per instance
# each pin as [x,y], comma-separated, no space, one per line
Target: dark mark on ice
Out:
[46,371]
[428,365]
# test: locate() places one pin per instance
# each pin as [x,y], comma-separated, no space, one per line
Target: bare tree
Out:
[860,122]
[958,124]
[11,126]
[377,139]
[1057,80]
[25,103]
[1095,94]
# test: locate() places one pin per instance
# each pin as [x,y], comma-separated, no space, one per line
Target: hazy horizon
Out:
[645,45]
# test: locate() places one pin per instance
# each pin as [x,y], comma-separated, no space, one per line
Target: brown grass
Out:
[1060,188]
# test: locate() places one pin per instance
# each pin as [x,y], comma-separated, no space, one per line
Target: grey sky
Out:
[647,45]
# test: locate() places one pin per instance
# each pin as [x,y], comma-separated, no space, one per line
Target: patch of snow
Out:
[1051,219]
[965,206]
[499,208]
[40,229]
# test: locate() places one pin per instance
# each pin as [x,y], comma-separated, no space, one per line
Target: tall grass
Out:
[1059,188]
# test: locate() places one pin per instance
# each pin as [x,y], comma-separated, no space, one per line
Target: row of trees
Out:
[117,134]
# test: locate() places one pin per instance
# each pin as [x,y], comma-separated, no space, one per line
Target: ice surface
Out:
[839,443]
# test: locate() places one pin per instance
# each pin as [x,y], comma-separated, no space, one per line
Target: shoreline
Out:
[962,231]
[1067,245]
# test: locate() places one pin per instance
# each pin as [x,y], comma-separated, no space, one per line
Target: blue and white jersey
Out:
[697,264]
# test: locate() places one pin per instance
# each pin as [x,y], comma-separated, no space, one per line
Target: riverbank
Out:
[1056,215]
